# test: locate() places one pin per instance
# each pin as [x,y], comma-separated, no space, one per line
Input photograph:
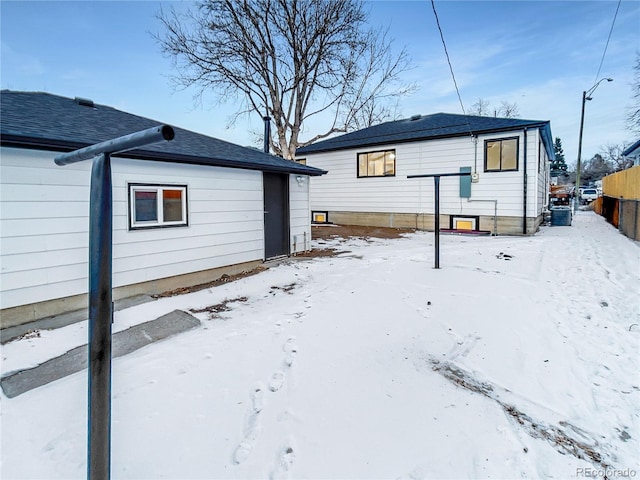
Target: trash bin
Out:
[560,216]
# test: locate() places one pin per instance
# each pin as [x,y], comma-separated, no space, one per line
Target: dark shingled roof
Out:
[632,149]
[51,122]
[428,127]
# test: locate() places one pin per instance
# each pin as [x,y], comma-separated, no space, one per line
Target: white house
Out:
[185,212]
[633,152]
[367,182]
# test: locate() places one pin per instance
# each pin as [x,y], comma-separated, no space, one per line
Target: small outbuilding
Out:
[367,184]
[185,212]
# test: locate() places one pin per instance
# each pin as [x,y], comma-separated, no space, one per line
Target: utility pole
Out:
[586,95]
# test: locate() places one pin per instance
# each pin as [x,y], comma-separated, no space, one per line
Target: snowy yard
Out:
[519,358]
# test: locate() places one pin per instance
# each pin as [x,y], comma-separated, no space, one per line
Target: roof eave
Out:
[221,162]
[35,143]
[631,149]
[302,151]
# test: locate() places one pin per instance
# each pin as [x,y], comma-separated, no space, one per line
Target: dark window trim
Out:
[517,139]
[169,186]
[540,147]
[320,212]
[376,151]
[465,217]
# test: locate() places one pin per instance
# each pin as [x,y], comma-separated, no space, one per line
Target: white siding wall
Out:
[543,177]
[300,213]
[44,224]
[532,172]
[341,190]
[226,223]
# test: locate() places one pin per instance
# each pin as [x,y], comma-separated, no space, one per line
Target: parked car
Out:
[572,191]
[588,195]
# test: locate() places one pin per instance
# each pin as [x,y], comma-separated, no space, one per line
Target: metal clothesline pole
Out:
[436,180]
[100,288]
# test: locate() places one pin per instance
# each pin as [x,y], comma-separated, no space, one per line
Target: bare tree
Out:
[612,155]
[482,108]
[594,169]
[289,59]
[508,110]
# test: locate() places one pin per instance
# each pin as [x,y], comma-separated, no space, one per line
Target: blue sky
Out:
[538,54]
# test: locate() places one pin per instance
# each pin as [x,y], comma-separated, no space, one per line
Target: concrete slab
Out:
[64,319]
[76,360]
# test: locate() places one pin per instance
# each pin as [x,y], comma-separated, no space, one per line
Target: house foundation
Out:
[426,221]
[10,317]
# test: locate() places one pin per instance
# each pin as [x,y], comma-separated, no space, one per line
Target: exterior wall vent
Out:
[85,102]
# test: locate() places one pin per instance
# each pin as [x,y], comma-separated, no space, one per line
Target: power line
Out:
[608,38]
[455,83]
[433,5]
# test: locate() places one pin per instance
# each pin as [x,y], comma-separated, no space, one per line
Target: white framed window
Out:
[153,206]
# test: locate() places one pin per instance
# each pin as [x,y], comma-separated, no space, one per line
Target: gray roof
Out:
[51,122]
[429,127]
[632,150]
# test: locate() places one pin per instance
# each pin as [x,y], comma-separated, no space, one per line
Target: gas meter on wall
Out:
[475,177]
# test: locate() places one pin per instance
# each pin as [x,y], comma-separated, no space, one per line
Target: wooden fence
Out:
[620,202]
[624,184]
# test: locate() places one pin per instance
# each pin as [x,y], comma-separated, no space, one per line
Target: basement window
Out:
[464,222]
[501,155]
[319,217]
[153,206]
[377,164]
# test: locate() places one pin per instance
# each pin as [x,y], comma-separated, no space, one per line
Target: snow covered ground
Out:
[519,358]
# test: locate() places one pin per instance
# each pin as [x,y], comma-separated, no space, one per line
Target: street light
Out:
[586,95]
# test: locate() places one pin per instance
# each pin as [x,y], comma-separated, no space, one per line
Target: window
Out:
[301,161]
[319,217]
[377,164]
[464,222]
[157,206]
[501,155]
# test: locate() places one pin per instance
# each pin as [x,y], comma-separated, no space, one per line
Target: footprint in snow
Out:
[290,357]
[257,398]
[290,345]
[284,462]
[287,458]
[291,349]
[463,346]
[277,381]
[252,428]
[242,452]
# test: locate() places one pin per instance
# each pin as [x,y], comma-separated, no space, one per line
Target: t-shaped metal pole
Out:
[100,288]
[436,183]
